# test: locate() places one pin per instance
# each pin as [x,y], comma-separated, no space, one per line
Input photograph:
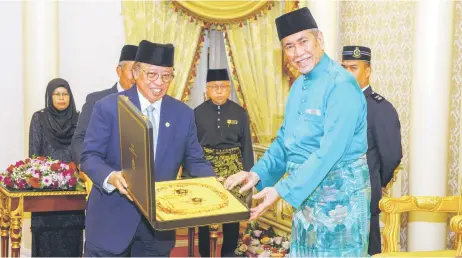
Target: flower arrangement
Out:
[257,242]
[40,173]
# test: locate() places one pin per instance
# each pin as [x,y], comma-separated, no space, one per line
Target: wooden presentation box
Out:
[170,204]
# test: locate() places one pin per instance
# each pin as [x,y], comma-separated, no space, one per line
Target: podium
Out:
[171,204]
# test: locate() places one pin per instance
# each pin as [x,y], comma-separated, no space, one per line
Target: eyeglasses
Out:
[218,87]
[152,76]
[61,94]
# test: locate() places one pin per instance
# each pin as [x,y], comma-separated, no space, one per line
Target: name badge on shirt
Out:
[315,112]
[231,122]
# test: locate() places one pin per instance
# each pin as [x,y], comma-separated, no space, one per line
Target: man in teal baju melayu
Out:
[321,145]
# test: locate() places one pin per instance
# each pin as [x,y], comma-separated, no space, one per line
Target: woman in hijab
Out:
[51,129]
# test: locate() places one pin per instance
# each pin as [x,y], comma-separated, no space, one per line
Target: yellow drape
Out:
[257,61]
[158,22]
[223,12]
[291,71]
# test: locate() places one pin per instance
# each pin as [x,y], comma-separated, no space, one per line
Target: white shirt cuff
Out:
[108,187]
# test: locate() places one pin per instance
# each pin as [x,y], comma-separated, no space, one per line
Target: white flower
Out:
[30,171]
[62,180]
[266,253]
[286,245]
[255,242]
[46,180]
[252,249]
[277,240]
[54,177]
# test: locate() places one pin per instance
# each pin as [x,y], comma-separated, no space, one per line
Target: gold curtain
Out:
[222,12]
[255,59]
[291,71]
[158,21]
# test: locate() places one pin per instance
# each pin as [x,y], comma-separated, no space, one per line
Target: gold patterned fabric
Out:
[158,22]
[454,175]
[223,11]
[257,71]
[387,28]
[226,162]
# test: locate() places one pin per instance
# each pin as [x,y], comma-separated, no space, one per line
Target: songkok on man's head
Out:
[128,53]
[293,22]
[358,53]
[217,75]
[155,54]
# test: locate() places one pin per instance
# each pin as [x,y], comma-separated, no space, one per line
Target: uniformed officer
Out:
[383,135]
[223,131]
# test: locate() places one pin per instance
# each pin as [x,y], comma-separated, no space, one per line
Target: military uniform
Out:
[224,133]
[384,151]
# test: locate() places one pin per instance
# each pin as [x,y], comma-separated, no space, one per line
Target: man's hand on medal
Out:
[118,181]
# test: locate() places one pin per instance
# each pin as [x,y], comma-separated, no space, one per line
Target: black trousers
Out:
[375,243]
[230,239]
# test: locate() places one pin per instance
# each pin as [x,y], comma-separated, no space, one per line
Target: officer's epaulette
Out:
[377,97]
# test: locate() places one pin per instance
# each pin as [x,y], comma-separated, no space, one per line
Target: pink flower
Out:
[8,181]
[46,180]
[72,182]
[19,163]
[277,240]
[68,173]
[21,183]
[257,233]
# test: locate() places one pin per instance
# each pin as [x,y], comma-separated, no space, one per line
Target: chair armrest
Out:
[456,226]
[393,207]
[419,203]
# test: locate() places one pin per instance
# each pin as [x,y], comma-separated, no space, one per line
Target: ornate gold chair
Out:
[392,209]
